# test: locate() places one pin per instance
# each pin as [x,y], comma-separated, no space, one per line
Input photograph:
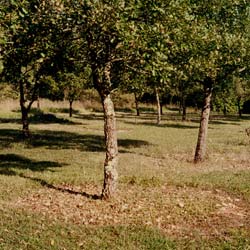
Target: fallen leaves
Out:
[175,211]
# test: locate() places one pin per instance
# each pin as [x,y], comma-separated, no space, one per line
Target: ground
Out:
[51,184]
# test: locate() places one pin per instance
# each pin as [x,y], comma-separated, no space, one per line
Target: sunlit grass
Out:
[157,177]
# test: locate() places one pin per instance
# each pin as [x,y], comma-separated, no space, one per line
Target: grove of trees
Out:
[164,48]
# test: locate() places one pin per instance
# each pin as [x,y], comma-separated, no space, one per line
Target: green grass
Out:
[28,231]
[164,200]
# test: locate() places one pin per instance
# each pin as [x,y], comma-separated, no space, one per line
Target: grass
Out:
[50,184]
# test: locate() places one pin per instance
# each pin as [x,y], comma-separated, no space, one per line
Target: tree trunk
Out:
[111,161]
[180,106]
[25,121]
[70,108]
[158,106]
[137,105]
[201,143]
[184,110]
[38,100]
[239,107]
[161,108]
[24,111]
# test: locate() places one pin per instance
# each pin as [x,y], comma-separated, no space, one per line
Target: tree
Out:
[221,50]
[31,29]
[100,27]
[73,85]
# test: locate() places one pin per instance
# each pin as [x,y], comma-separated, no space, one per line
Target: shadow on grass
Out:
[194,123]
[10,163]
[64,190]
[63,110]
[40,117]
[64,140]
[90,117]
[177,125]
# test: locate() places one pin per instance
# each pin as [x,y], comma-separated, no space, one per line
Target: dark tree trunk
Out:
[161,108]
[26,106]
[24,111]
[201,143]
[25,121]
[158,106]
[184,110]
[111,161]
[239,107]
[137,105]
[180,107]
[70,108]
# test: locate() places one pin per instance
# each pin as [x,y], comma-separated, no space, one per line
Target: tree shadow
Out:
[47,118]
[63,110]
[8,162]
[177,125]
[64,190]
[64,140]
[217,121]
[40,117]
[89,117]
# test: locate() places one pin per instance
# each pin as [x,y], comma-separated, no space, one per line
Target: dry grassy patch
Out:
[177,212]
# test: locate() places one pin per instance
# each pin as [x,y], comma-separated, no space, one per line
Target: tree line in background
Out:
[193,50]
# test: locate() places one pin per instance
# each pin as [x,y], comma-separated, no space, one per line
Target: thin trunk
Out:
[137,105]
[24,111]
[239,107]
[111,161]
[201,143]
[25,122]
[161,108]
[184,110]
[102,84]
[180,106]
[110,132]
[70,108]
[158,106]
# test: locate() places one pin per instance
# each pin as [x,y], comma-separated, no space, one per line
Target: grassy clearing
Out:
[50,184]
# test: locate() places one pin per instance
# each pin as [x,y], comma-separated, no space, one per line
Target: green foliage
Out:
[144,44]
[7,91]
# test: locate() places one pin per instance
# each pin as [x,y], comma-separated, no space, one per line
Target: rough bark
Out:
[158,106]
[111,161]
[137,105]
[70,108]
[24,111]
[102,84]
[202,135]
[26,106]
